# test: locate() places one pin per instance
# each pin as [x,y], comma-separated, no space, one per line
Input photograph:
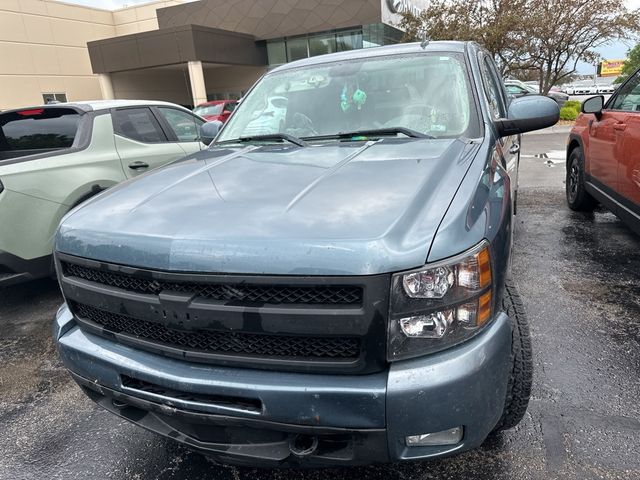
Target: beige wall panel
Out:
[23,91]
[71,12]
[126,29]
[16,58]
[74,61]
[38,7]
[45,60]
[82,88]
[147,12]
[11,5]
[38,29]
[11,27]
[148,25]
[51,84]
[126,15]
[103,31]
[103,17]
[71,33]
[19,91]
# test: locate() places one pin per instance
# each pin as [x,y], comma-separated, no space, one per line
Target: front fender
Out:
[481,209]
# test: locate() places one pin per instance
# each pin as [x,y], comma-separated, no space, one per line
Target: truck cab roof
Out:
[96,105]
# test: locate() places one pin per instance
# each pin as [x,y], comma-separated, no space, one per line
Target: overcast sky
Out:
[613,51]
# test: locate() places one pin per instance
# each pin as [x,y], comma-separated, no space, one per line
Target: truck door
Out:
[182,127]
[496,97]
[604,149]
[140,141]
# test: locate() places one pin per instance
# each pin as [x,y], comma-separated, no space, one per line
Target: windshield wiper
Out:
[378,132]
[272,136]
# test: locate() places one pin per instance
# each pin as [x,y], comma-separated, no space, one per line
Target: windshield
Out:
[209,110]
[427,93]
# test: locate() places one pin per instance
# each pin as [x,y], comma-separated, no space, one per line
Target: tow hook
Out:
[303,445]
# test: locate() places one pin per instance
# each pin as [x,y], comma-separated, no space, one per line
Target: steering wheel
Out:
[302,126]
[417,117]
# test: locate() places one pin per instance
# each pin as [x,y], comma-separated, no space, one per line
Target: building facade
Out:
[183,52]
[43,47]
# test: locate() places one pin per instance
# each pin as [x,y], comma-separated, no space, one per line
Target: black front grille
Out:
[243,403]
[223,343]
[239,292]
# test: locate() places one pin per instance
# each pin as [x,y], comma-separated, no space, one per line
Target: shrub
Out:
[568,113]
[576,105]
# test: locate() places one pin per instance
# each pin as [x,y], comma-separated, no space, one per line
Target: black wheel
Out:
[521,374]
[577,197]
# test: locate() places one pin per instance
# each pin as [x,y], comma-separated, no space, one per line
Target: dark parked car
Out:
[516,89]
[603,156]
[331,289]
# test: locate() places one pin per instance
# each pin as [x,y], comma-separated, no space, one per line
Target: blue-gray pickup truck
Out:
[328,283]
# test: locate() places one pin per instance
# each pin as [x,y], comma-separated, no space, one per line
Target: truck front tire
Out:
[521,374]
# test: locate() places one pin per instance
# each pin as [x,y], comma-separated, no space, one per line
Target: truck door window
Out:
[137,124]
[492,89]
[184,125]
[628,98]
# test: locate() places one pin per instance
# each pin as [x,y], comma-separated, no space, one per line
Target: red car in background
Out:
[216,110]
[603,155]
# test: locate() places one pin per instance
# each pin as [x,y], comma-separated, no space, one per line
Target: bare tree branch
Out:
[550,37]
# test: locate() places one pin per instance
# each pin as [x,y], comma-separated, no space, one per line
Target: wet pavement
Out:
[579,276]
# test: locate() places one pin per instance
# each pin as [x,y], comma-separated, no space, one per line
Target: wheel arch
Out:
[87,191]
[573,142]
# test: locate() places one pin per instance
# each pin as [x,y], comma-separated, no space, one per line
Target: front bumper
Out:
[14,270]
[250,417]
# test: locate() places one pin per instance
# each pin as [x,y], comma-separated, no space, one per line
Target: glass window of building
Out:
[321,44]
[349,41]
[372,35]
[54,97]
[297,49]
[276,52]
[379,34]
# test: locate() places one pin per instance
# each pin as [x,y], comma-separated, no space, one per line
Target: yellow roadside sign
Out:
[610,68]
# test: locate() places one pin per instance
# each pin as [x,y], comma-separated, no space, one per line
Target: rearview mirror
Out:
[593,105]
[528,113]
[209,131]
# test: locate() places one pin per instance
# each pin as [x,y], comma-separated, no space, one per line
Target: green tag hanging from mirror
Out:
[359,98]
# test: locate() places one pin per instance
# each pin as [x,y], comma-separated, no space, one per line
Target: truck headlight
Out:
[441,304]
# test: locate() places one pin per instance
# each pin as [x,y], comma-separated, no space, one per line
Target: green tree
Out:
[631,65]
[550,37]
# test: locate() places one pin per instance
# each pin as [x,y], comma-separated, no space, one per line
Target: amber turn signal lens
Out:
[484,309]
[484,265]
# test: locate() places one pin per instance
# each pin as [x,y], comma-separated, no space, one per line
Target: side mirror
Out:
[528,113]
[209,131]
[593,105]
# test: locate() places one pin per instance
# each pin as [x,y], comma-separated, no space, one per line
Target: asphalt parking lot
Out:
[579,278]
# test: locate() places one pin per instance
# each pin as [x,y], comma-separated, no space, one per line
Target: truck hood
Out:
[350,208]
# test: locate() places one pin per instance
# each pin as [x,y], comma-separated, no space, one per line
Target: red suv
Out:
[216,110]
[603,155]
